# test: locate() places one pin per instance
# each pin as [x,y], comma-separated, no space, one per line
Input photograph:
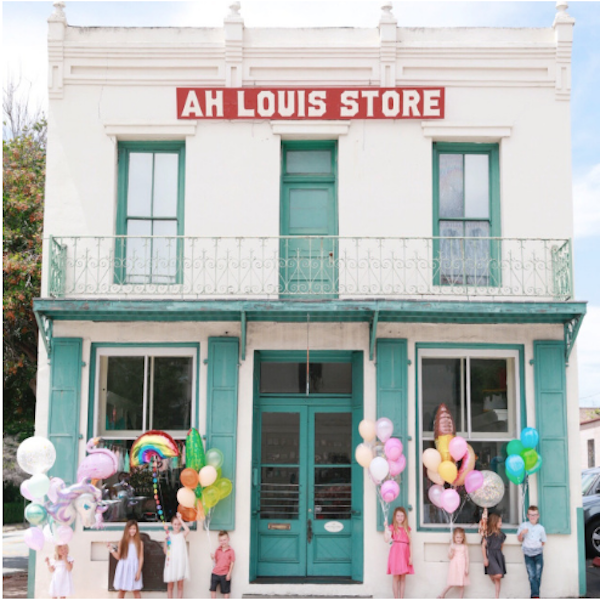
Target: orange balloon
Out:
[189,478]
[187,514]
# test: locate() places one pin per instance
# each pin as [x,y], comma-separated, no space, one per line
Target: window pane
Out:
[330,378]
[166,170]
[164,252]
[129,493]
[172,399]
[138,251]
[451,253]
[489,400]
[309,162]
[477,186]
[279,493]
[451,186]
[280,438]
[139,186]
[333,493]
[124,393]
[442,384]
[333,438]
[290,378]
[477,253]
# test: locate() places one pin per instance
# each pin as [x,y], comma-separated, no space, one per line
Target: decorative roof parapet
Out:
[57,24]
[563,33]
[388,46]
[234,46]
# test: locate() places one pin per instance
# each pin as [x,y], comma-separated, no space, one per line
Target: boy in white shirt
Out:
[532,536]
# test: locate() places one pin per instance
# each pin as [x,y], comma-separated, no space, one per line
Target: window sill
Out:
[166,130]
[311,130]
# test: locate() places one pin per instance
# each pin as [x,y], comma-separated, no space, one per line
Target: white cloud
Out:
[588,358]
[586,200]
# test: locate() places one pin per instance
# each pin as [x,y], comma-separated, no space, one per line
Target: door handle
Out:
[356,513]
[309,532]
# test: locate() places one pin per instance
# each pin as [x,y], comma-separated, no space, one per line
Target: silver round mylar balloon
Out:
[491,492]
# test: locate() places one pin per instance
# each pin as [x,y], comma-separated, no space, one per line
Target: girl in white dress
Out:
[130,554]
[61,566]
[177,566]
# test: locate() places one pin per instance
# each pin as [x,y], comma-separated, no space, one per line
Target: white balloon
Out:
[435,477]
[36,455]
[385,428]
[432,459]
[48,536]
[38,485]
[207,476]
[379,469]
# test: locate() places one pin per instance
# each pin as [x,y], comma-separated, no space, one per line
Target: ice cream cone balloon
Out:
[444,430]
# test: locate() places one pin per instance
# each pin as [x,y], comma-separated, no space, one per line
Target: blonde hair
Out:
[56,548]
[462,531]
[124,543]
[404,523]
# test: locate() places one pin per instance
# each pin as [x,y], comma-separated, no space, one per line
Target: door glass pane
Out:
[172,400]
[489,401]
[139,186]
[313,162]
[124,393]
[333,493]
[451,185]
[280,438]
[477,186]
[333,438]
[309,211]
[279,493]
[442,384]
[165,185]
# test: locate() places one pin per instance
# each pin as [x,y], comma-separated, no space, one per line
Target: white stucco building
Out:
[390,205]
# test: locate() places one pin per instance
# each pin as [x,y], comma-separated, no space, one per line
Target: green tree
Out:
[24,174]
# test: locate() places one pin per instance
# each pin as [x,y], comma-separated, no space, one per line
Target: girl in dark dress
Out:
[491,547]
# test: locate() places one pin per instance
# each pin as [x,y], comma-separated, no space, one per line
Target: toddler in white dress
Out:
[177,565]
[61,566]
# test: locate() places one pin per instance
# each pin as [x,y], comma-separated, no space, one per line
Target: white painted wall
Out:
[589,431]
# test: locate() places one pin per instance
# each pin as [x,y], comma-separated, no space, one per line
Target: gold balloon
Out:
[447,471]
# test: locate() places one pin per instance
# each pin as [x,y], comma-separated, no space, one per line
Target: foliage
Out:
[24,162]
[12,512]
[12,473]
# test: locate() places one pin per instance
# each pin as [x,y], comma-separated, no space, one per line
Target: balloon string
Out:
[523,496]
[207,518]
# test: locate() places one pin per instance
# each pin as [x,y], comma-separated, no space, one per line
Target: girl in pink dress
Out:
[400,558]
[458,572]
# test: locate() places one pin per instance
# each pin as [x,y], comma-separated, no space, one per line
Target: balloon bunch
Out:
[36,455]
[522,459]
[203,487]
[383,459]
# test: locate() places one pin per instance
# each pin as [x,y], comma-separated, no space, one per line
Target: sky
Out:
[24,56]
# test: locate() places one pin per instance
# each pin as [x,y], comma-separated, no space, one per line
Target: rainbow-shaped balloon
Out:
[150,444]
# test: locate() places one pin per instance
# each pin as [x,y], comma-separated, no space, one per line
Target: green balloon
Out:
[198,491]
[194,451]
[210,496]
[214,457]
[224,487]
[536,467]
[515,447]
[530,457]
[36,514]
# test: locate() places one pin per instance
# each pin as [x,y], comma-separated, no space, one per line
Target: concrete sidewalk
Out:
[15,561]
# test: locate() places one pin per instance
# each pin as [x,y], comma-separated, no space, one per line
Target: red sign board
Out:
[310,103]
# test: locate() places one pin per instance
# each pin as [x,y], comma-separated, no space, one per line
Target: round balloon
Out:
[516,478]
[432,459]
[38,485]
[36,455]
[379,468]
[384,428]
[473,481]
[530,458]
[536,467]
[514,467]
[529,437]
[491,492]
[447,471]
[457,447]
[393,449]
[224,487]
[24,488]
[189,478]
[207,475]
[48,535]
[367,430]
[514,447]
[187,514]
[36,514]
[186,497]
[364,455]
[435,477]
[56,483]
[397,466]
[450,500]
[389,491]
[435,495]
[63,535]
[34,538]
[210,496]
[214,458]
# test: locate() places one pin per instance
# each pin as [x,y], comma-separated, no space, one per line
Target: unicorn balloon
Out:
[81,498]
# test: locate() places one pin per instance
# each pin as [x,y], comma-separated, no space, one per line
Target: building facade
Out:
[272,234]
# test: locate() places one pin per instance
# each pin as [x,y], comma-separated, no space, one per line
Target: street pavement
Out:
[15,553]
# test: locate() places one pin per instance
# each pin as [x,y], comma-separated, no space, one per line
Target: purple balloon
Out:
[397,466]
[34,538]
[393,449]
[435,495]
[389,491]
[473,481]
[450,500]
[25,491]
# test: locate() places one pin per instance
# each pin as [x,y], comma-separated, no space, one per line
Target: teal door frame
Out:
[309,406]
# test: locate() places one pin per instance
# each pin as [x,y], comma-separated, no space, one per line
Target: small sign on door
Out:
[334,526]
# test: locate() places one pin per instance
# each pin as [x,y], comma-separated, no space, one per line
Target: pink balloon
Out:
[473,481]
[450,500]
[63,535]
[384,428]
[435,495]
[393,449]
[34,538]
[56,483]
[397,466]
[25,490]
[389,491]
[457,447]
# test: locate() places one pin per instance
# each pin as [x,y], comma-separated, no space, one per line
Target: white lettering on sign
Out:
[349,106]
[192,106]
[316,103]
[215,102]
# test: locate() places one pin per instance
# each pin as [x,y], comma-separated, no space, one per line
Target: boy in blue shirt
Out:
[532,536]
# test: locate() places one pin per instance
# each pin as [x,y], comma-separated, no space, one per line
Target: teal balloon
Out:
[514,447]
[530,437]
[36,514]
[536,467]
[214,458]
[514,467]
[530,458]
[516,479]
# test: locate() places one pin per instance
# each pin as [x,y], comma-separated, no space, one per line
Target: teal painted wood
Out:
[581,553]
[392,402]
[357,470]
[551,420]
[31,574]
[65,399]
[221,418]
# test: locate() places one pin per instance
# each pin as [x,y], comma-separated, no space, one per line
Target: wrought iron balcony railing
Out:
[311,267]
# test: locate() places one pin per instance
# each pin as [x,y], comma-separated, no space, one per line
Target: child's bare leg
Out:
[401,586]
[213,594]
[121,594]
[497,579]
[462,591]
[169,589]
[180,588]
[446,589]
[137,594]
[395,583]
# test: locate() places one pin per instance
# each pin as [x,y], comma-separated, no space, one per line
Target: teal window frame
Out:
[91,413]
[325,179]
[494,218]
[124,151]
[521,412]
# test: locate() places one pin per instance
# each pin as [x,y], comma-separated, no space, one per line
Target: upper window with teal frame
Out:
[466,206]
[150,212]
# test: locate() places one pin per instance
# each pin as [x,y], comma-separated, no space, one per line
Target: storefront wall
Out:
[560,576]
